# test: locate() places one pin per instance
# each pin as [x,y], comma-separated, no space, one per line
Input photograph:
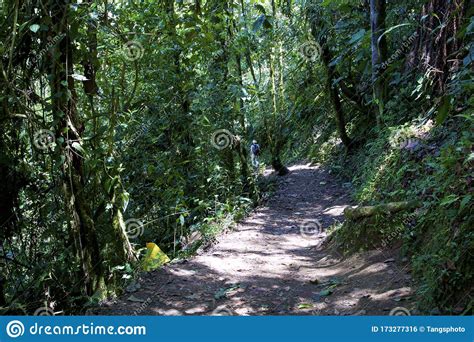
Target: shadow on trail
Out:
[274,263]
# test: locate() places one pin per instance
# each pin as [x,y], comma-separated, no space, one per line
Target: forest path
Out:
[274,263]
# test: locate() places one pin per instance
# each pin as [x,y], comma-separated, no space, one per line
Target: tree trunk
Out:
[70,129]
[181,129]
[438,40]
[379,54]
[274,134]
[386,208]
[334,97]
[90,62]
[243,153]
[278,166]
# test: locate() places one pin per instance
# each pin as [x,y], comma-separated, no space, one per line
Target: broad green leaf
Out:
[443,110]
[125,200]
[448,200]
[357,36]
[466,199]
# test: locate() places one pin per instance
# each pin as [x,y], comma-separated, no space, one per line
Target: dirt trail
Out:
[274,263]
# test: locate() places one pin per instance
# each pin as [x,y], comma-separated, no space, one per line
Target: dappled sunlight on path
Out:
[275,262]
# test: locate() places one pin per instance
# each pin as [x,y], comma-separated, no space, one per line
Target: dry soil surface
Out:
[275,262]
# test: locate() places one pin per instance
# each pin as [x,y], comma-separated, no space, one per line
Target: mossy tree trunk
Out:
[69,131]
[379,55]
[334,97]
[437,51]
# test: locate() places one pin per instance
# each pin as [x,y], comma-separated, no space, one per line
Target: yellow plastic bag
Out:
[154,257]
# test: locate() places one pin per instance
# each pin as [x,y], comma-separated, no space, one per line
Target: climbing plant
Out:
[129,122]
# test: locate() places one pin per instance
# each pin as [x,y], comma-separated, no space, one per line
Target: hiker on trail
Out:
[254,153]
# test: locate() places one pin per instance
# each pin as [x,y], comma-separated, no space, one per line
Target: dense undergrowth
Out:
[416,160]
[126,123]
[423,151]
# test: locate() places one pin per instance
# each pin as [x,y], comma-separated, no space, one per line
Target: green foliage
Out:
[423,151]
[109,122]
[438,237]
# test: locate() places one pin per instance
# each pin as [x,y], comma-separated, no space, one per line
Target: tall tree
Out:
[438,52]
[69,130]
[379,54]
[319,31]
